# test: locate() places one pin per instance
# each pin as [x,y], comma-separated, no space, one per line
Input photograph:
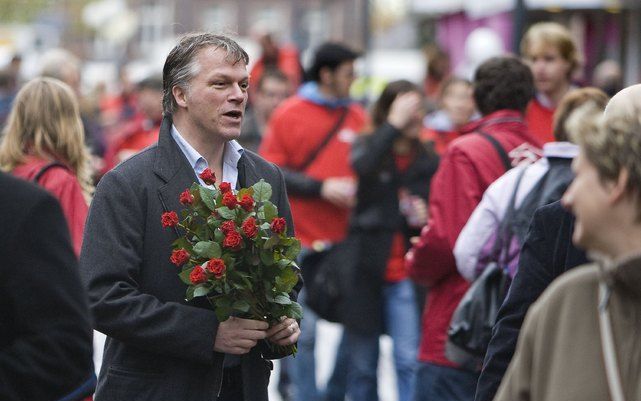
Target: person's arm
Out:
[52,354]
[369,150]
[110,262]
[453,196]
[535,273]
[517,384]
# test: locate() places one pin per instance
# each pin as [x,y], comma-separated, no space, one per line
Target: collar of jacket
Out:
[310,91]
[625,274]
[171,161]
[497,117]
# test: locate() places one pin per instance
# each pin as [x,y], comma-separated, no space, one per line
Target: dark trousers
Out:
[442,383]
[232,388]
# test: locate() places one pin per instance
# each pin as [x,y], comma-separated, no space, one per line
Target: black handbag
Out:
[326,274]
[471,326]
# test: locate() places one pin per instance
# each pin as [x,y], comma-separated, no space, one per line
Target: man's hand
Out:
[284,333]
[339,191]
[237,336]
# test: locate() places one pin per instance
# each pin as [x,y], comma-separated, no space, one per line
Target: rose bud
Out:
[198,275]
[216,267]
[186,198]
[224,187]
[208,176]
[233,241]
[250,228]
[169,219]
[278,225]
[247,203]
[179,257]
[230,200]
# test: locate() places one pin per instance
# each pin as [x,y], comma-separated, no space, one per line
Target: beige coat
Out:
[559,355]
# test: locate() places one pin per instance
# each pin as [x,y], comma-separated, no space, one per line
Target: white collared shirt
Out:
[231,155]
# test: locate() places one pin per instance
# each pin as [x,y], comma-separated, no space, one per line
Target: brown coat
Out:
[559,354]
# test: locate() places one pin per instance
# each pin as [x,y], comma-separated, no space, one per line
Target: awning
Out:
[483,8]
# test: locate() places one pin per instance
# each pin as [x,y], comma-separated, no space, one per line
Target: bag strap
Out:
[328,137]
[499,149]
[607,344]
[46,168]
[504,240]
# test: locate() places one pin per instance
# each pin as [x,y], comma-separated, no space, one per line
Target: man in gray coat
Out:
[160,347]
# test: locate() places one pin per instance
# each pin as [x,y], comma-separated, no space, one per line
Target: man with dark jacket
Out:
[503,86]
[160,347]
[45,329]
[546,254]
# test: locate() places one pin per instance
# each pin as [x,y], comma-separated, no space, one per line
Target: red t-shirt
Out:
[539,120]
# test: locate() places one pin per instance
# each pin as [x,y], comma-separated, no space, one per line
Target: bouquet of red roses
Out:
[235,251]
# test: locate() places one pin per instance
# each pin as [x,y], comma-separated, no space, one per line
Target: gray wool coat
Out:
[159,347]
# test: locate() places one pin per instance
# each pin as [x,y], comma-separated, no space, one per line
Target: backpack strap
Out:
[46,168]
[499,149]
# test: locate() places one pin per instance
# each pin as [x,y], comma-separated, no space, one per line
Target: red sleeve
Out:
[66,188]
[454,193]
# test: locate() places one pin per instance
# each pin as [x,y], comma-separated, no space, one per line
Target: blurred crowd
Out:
[421,183]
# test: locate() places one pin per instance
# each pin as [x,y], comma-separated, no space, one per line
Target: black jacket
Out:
[159,347]
[376,218]
[546,254]
[45,329]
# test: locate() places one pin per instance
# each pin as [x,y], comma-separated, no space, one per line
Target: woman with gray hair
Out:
[580,341]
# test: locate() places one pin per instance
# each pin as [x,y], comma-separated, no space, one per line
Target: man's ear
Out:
[180,95]
[618,188]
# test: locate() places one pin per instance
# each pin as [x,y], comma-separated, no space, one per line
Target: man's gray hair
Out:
[181,64]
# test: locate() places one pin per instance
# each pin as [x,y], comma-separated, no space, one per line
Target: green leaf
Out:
[241,306]
[267,258]
[190,293]
[296,311]
[207,249]
[182,243]
[184,276]
[245,191]
[265,226]
[262,191]
[293,250]
[226,213]
[208,197]
[270,210]
[271,242]
[201,290]
[282,299]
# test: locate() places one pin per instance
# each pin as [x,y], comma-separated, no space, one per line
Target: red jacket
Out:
[294,131]
[468,167]
[62,184]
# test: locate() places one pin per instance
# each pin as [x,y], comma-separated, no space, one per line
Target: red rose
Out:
[247,203]
[169,219]
[228,227]
[278,225]
[186,198]
[179,257]
[230,200]
[208,176]
[216,267]
[224,187]
[233,241]
[250,228]
[198,275]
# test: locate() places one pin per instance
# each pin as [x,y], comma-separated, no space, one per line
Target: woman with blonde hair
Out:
[43,142]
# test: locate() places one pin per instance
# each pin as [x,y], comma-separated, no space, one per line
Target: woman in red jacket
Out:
[44,143]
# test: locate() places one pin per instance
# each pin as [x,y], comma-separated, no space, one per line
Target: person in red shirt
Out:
[551,52]
[321,184]
[502,88]
[44,142]
[142,130]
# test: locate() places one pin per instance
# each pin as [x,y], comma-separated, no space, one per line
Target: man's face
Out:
[341,79]
[587,198]
[271,93]
[216,97]
[549,68]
